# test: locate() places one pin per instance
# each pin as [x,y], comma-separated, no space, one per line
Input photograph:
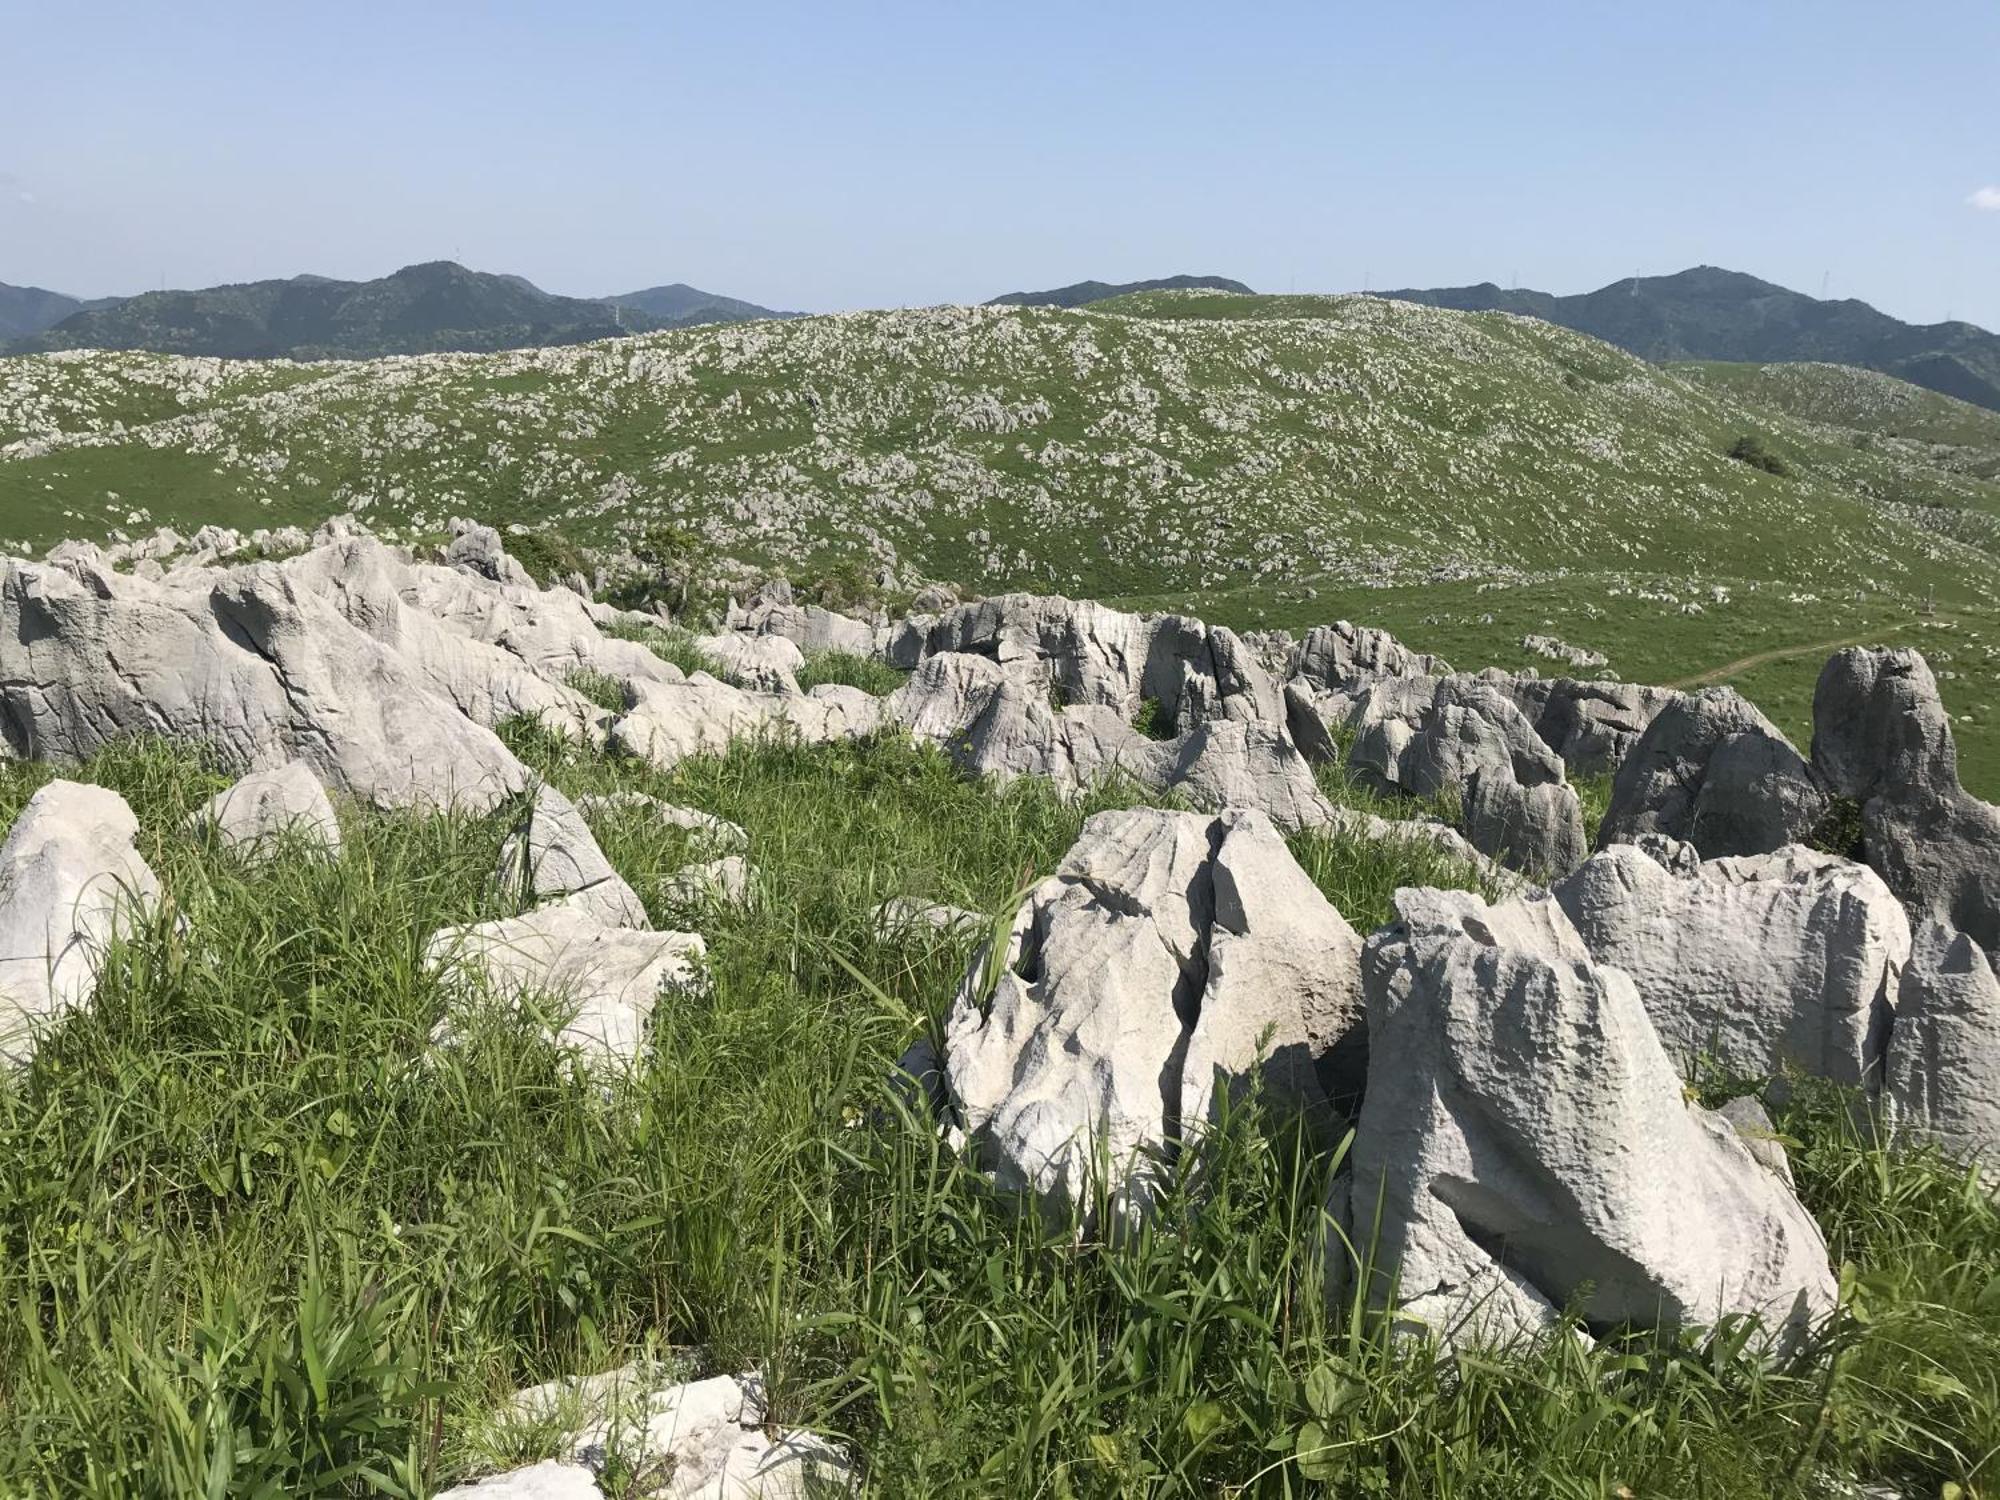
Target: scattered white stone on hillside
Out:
[71,881]
[600,982]
[1526,1144]
[270,809]
[1557,649]
[704,1439]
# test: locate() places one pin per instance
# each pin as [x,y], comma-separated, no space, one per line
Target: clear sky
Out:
[878,153]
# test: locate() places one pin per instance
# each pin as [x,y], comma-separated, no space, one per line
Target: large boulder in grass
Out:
[1526,1145]
[71,880]
[600,983]
[1943,1076]
[1713,771]
[553,855]
[270,810]
[478,549]
[1759,963]
[1340,657]
[249,661]
[1882,737]
[1172,960]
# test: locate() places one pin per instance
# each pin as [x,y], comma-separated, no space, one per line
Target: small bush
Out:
[1151,720]
[1751,449]
[546,556]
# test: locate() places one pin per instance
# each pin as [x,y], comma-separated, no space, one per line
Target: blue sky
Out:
[823,156]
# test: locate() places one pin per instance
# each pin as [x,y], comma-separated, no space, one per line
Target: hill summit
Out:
[1080,293]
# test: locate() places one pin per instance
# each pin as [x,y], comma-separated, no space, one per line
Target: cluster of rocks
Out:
[1525,1144]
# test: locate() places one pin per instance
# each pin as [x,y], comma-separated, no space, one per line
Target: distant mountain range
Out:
[679,305]
[1083,292]
[420,309]
[1710,313]
[26,310]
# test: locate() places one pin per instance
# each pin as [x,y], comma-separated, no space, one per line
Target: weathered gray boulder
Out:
[1340,656]
[1943,1075]
[71,881]
[478,549]
[715,882]
[1525,1145]
[1229,764]
[901,916]
[1537,830]
[1713,771]
[670,721]
[1079,653]
[1882,737]
[710,1439]
[604,980]
[553,855]
[248,662]
[1169,959]
[1761,963]
[267,810]
[812,629]
[762,663]
[1879,725]
[1592,726]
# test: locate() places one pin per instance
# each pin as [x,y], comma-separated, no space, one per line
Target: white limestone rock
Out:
[606,980]
[553,854]
[707,828]
[902,915]
[711,1439]
[1943,1075]
[71,880]
[716,882]
[1526,1143]
[267,810]
[1170,957]
[1762,963]
[551,1480]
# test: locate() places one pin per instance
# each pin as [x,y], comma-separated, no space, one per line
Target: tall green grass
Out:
[259,1236]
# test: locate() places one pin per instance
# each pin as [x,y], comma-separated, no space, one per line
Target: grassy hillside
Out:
[1866,405]
[1266,460]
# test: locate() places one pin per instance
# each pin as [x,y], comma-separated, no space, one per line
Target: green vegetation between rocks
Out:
[260,1234]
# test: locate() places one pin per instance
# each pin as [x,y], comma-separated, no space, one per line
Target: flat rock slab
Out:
[606,978]
[708,1439]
